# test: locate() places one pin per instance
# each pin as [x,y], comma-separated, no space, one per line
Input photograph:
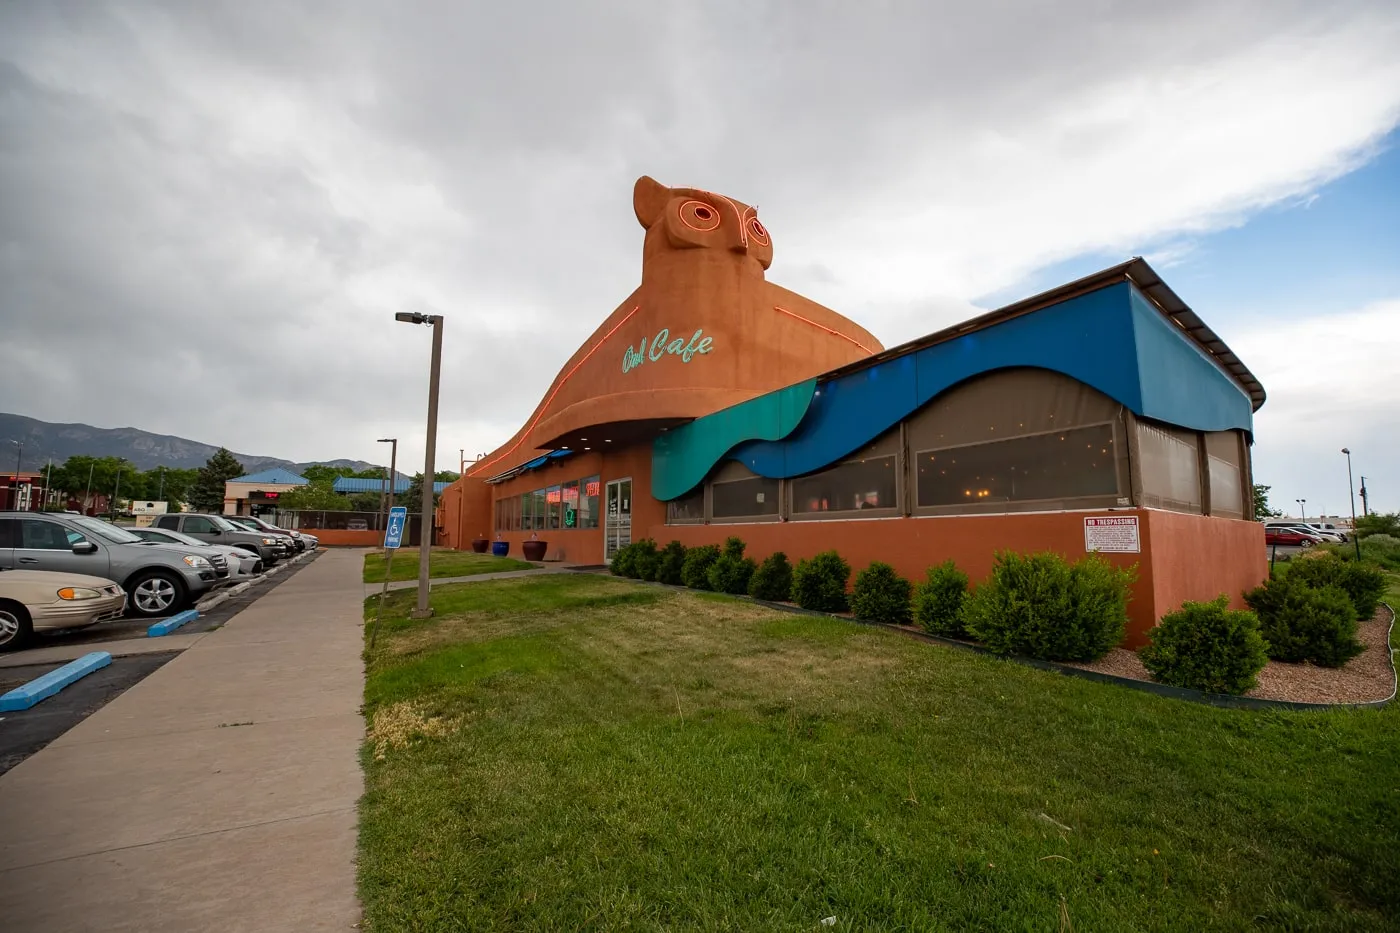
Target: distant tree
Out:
[1378,523]
[81,473]
[1261,503]
[366,501]
[412,499]
[321,473]
[207,493]
[319,496]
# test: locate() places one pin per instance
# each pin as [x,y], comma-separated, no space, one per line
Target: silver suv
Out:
[215,529]
[159,578]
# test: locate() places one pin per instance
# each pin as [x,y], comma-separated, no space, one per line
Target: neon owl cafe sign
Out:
[663,345]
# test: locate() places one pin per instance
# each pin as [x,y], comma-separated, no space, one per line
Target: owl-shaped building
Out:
[1100,416]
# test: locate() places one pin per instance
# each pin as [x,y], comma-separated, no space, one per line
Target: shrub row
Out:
[1041,605]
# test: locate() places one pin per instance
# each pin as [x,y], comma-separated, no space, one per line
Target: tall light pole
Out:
[87,495]
[1302,508]
[393,467]
[1351,488]
[14,490]
[116,493]
[160,493]
[425,520]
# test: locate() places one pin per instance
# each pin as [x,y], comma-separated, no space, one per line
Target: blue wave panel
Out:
[1089,338]
[1180,383]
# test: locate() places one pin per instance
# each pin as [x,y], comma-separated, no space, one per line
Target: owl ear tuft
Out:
[649,198]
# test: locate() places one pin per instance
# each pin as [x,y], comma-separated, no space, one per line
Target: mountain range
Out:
[41,440]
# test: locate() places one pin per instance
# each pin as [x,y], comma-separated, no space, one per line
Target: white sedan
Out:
[242,565]
[49,600]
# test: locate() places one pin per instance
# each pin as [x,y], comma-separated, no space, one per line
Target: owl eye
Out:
[758,231]
[697,215]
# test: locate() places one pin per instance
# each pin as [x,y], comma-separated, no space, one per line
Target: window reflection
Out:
[856,485]
[1073,464]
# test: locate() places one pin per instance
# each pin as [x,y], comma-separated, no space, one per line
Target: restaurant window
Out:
[1225,457]
[1170,463]
[1080,463]
[554,502]
[592,489]
[737,493]
[1019,439]
[687,509]
[570,496]
[527,512]
[864,483]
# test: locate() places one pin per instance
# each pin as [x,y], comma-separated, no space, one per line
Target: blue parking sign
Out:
[398,518]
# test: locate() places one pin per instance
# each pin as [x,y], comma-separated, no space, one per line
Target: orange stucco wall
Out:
[1196,558]
[1171,569]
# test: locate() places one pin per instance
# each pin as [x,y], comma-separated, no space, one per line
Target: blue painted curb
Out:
[166,626]
[41,688]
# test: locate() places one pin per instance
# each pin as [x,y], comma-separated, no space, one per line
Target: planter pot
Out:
[479,545]
[534,550]
[500,548]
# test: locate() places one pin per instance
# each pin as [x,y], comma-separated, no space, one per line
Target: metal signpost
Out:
[393,539]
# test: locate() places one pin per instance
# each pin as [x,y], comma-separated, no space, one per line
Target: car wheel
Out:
[155,593]
[15,627]
[1305,544]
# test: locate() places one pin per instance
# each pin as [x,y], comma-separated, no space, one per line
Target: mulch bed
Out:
[1366,678]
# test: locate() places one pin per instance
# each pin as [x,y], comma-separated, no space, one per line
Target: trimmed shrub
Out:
[1302,623]
[938,602]
[1206,646]
[881,595]
[624,562]
[669,564]
[695,571]
[645,559]
[773,579]
[1041,606]
[1364,584]
[733,547]
[819,584]
[731,574]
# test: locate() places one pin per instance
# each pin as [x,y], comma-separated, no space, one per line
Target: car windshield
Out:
[106,531]
[224,524]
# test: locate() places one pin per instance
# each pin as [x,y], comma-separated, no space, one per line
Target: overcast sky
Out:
[207,194]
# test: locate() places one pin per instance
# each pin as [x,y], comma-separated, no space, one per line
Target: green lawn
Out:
[576,752]
[443,563]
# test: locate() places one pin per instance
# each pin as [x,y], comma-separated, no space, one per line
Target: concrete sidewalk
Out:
[217,794]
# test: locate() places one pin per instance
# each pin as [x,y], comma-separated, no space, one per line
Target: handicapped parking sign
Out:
[398,518]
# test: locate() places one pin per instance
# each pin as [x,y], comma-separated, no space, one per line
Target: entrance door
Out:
[617,523]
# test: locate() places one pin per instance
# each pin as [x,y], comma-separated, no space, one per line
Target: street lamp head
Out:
[415,317]
[1346,451]
[387,440]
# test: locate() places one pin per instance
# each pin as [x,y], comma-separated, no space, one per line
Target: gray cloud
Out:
[232,194]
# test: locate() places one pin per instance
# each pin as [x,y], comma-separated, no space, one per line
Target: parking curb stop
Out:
[41,688]
[166,626]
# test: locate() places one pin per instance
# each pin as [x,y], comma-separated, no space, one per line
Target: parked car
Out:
[46,600]
[1307,529]
[242,563]
[1327,528]
[158,578]
[254,523]
[215,529]
[1289,537]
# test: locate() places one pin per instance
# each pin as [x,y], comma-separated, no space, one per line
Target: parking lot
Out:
[134,657]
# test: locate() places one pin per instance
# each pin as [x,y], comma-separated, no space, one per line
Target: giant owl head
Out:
[688,218]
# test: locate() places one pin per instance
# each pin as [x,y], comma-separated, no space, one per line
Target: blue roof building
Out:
[274,477]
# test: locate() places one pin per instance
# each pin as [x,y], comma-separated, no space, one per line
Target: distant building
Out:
[22,491]
[257,493]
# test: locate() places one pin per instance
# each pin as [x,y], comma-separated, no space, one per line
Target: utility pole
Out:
[160,495]
[14,496]
[48,481]
[87,496]
[1365,506]
[386,494]
[116,493]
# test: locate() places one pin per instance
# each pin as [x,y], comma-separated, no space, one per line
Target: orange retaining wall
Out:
[1197,557]
[339,537]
